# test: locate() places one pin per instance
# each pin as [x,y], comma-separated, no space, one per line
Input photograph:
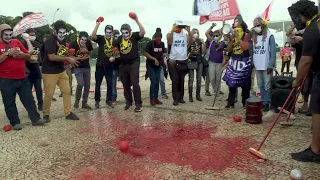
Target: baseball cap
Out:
[179,22]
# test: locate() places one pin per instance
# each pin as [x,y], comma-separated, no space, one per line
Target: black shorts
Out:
[315,95]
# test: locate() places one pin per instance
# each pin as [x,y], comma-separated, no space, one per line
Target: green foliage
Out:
[142,45]
[41,31]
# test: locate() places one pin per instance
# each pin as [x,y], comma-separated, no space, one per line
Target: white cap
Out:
[179,22]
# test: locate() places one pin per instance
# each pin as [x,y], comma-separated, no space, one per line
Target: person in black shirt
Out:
[104,68]
[33,67]
[154,53]
[130,63]
[304,13]
[82,47]
[53,71]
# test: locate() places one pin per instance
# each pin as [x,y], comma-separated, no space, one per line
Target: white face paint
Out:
[7,36]
[61,34]
[83,41]
[116,36]
[108,33]
[125,34]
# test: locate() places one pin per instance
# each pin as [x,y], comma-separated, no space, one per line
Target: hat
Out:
[179,22]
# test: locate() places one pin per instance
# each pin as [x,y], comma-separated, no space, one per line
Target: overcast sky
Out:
[152,13]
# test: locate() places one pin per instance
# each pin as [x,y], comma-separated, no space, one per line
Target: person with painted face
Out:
[82,47]
[264,58]
[154,53]
[305,14]
[13,77]
[285,55]
[216,47]
[130,63]
[195,63]
[180,39]
[53,70]
[104,68]
[33,67]
[238,72]
[116,34]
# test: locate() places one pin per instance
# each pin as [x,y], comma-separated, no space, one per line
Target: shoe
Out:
[17,127]
[46,118]
[72,116]
[127,106]
[265,108]
[198,98]
[190,99]
[175,103]
[229,107]
[165,96]
[61,95]
[157,101]
[208,93]
[182,101]
[40,122]
[306,156]
[76,105]
[110,104]
[152,102]
[309,113]
[54,99]
[114,100]
[138,108]
[86,106]
[221,92]
[97,104]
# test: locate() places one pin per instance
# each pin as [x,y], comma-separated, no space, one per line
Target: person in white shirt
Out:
[264,58]
[179,38]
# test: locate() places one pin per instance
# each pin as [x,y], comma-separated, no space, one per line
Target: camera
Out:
[182,26]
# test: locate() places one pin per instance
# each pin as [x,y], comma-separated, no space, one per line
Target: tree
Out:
[142,45]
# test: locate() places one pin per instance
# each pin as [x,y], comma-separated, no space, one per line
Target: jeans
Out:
[215,73]
[154,75]
[50,81]
[162,82]
[9,89]
[191,79]
[83,76]
[207,83]
[264,84]
[114,83]
[99,74]
[35,81]
[177,78]
[129,75]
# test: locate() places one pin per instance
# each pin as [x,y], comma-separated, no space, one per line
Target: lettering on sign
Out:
[224,9]
[237,65]
[259,50]
[179,43]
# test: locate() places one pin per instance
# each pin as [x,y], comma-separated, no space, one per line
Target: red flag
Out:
[228,10]
[267,13]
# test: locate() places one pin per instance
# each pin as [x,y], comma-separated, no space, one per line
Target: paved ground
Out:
[167,142]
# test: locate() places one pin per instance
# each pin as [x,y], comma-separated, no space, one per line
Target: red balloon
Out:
[137,152]
[133,15]
[237,118]
[100,19]
[115,49]
[124,146]
[7,128]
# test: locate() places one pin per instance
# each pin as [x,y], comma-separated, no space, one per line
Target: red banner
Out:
[228,10]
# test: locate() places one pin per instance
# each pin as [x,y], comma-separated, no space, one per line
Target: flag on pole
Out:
[267,13]
[34,20]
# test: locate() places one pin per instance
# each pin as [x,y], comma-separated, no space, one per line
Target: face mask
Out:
[7,36]
[195,35]
[108,33]
[32,38]
[83,41]
[125,34]
[287,45]
[61,34]
[216,38]
[157,41]
[257,29]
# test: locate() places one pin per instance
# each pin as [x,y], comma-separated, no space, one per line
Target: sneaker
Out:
[265,108]
[40,107]
[54,99]
[306,156]
[46,118]
[72,116]
[138,108]
[110,104]
[308,113]
[86,106]
[114,100]
[17,127]
[152,102]
[229,107]
[221,92]
[76,105]
[97,104]
[198,98]
[190,99]
[157,101]
[175,103]
[182,101]
[127,106]
[208,93]
[40,122]
[61,95]
[165,96]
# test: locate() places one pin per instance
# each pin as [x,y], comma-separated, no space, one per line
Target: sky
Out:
[82,14]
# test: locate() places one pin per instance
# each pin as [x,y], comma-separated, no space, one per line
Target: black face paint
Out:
[296,19]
